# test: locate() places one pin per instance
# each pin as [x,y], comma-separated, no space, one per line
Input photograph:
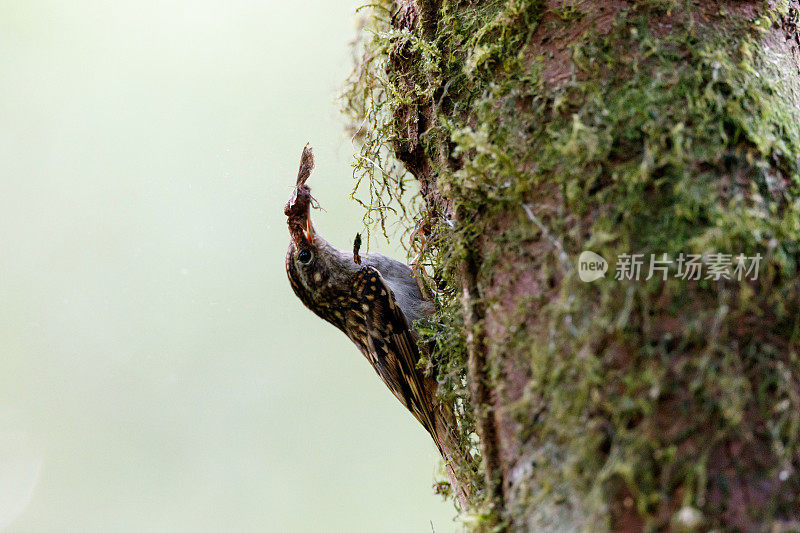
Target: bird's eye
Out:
[304,256]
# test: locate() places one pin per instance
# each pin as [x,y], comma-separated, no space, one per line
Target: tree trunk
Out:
[541,129]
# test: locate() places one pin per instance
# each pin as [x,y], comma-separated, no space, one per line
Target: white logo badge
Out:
[591,266]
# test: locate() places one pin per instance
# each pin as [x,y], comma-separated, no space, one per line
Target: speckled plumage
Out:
[375,303]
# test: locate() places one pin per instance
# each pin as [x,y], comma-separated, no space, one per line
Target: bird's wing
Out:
[391,345]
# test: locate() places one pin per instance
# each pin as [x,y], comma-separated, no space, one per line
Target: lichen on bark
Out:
[540,129]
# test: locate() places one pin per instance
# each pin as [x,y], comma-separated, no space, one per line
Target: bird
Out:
[375,301]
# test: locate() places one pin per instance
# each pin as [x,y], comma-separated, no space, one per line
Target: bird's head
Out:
[318,272]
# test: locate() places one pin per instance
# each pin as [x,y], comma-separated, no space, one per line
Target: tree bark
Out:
[540,129]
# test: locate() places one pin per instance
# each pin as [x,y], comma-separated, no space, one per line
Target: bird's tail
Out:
[458,461]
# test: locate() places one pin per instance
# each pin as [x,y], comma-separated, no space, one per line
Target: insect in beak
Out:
[298,208]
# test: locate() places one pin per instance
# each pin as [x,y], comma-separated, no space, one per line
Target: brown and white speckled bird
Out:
[374,300]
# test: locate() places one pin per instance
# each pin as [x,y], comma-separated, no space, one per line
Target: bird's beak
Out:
[308,232]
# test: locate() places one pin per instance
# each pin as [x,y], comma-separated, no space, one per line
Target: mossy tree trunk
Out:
[539,129]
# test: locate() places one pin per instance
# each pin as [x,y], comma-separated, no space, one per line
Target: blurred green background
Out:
[156,371]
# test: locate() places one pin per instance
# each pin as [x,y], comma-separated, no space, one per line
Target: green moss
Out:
[689,145]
